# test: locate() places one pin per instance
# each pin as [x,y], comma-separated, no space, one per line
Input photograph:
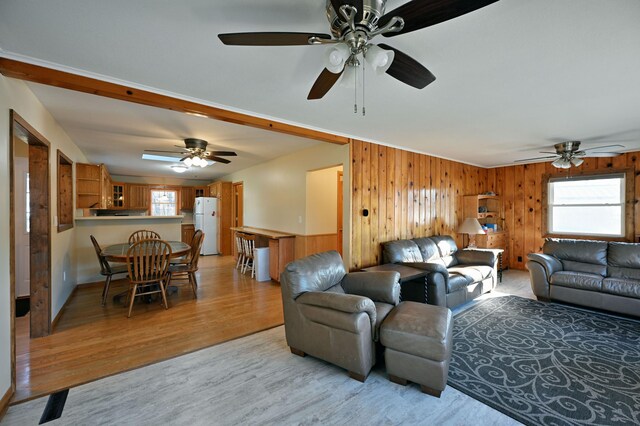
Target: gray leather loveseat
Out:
[453,276]
[335,315]
[598,274]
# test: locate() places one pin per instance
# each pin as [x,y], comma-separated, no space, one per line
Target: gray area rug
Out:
[548,364]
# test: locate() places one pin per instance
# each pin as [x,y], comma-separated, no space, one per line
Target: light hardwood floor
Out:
[91,342]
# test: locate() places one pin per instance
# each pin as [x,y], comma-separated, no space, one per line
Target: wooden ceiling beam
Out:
[43,75]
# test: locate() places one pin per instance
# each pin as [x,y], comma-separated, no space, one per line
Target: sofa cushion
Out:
[579,255]
[621,287]
[318,272]
[579,280]
[428,248]
[624,260]
[447,247]
[457,282]
[401,251]
[475,273]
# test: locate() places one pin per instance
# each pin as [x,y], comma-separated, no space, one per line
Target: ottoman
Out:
[417,339]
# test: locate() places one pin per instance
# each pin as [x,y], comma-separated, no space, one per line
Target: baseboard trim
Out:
[54,323]
[4,402]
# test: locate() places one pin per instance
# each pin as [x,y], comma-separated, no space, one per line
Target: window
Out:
[164,202]
[587,205]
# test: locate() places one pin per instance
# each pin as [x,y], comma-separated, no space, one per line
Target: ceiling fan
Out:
[194,153]
[569,153]
[354,23]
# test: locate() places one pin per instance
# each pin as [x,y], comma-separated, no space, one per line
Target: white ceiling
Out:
[116,133]
[512,78]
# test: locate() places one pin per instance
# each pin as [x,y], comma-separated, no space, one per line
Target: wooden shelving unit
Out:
[493,214]
[88,186]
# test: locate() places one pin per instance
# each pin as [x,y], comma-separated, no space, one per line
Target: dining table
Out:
[118,253]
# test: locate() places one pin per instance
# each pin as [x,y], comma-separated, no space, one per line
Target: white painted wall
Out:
[16,95]
[275,192]
[322,201]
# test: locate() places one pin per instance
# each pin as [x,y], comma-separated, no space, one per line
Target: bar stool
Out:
[249,243]
[240,248]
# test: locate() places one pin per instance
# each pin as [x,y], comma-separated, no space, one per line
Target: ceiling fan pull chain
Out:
[363,90]
[355,91]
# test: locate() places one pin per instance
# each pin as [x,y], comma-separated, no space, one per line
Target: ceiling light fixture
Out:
[179,168]
[379,60]
[336,57]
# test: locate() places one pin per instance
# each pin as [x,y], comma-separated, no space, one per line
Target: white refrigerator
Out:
[206,219]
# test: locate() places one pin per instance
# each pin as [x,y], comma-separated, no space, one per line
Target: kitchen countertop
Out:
[129,217]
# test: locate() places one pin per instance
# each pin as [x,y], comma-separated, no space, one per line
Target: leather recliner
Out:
[334,315]
[453,276]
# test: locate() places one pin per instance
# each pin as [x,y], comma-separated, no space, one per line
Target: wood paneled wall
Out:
[407,195]
[410,195]
[521,189]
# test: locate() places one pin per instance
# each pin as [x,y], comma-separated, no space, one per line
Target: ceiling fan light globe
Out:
[577,161]
[188,161]
[566,164]
[379,59]
[348,79]
[336,57]
[557,163]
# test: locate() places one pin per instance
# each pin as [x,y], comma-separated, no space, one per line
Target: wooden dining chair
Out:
[106,269]
[187,271]
[249,243]
[240,248]
[148,269]
[143,234]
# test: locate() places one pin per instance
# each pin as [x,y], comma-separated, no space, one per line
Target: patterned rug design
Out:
[548,364]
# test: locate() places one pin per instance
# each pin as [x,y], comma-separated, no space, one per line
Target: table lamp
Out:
[472,227]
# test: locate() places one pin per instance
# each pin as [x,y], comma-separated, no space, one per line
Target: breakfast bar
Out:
[281,247]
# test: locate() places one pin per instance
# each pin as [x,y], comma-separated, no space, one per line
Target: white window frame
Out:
[164,191]
[622,176]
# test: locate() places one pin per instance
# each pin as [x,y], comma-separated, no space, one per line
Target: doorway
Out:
[30,229]
[238,204]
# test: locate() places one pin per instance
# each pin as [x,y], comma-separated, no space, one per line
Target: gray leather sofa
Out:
[597,274]
[334,315]
[453,276]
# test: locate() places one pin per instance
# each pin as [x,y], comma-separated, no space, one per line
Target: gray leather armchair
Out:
[335,315]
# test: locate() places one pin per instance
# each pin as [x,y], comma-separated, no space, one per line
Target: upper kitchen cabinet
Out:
[118,195]
[138,196]
[200,191]
[93,186]
[187,197]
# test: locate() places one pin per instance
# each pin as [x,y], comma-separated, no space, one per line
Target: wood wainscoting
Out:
[405,195]
[307,245]
[521,189]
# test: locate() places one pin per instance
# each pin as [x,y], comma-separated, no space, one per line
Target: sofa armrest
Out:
[550,264]
[476,257]
[382,286]
[346,303]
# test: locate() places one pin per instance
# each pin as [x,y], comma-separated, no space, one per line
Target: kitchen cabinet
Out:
[118,195]
[138,196]
[187,197]
[200,191]
[187,232]
[93,186]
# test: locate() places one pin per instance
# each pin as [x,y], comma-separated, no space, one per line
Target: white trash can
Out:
[261,263]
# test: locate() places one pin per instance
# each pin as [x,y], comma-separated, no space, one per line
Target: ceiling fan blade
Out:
[166,152]
[218,159]
[536,158]
[222,153]
[270,39]
[418,14]
[408,70]
[600,154]
[323,84]
[603,147]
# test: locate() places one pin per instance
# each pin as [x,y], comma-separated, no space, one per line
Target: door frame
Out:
[43,217]
[237,202]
